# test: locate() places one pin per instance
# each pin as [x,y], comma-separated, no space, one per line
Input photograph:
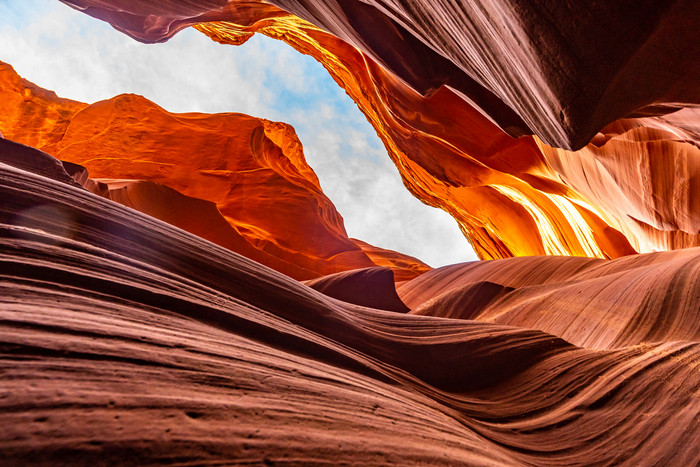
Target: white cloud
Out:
[85,59]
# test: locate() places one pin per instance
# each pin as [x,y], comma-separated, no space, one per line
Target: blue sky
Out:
[85,59]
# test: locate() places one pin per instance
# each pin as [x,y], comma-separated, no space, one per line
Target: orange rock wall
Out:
[252,170]
[643,177]
[511,197]
[32,115]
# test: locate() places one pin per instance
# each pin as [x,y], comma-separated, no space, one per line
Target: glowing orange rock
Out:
[251,171]
[501,190]
[558,71]
[510,196]
[643,177]
[32,115]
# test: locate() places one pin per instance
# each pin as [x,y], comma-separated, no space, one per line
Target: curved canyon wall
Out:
[240,181]
[127,340]
[561,72]
[451,143]
[124,340]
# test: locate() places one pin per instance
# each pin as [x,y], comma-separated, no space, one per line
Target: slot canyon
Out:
[178,289]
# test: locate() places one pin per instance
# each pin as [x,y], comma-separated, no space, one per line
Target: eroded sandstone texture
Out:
[563,72]
[125,340]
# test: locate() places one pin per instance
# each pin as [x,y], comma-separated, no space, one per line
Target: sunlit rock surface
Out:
[503,65]
[239,181]
[558,70]
[643,176]
[125,340]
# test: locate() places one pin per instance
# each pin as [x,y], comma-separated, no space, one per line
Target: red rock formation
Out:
[643,176]
[231,168]
[32,115]
[404,267]
[194,215]
[510,196]
[126,340]
[560,71]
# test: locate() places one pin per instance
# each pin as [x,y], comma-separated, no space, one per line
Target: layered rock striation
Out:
[447,109]
[589,302]
[127,340]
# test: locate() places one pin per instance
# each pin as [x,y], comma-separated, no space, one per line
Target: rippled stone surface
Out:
[126,340]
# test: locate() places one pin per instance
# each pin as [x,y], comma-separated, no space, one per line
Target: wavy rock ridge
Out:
[239,181]
[512,197]
[126,340]
[589,302]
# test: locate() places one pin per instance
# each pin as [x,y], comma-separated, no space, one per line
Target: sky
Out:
[85,59]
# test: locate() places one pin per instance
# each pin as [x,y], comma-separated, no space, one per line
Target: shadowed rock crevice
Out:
[371,287]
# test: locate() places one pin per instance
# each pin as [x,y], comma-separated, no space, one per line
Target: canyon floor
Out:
[126,340]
